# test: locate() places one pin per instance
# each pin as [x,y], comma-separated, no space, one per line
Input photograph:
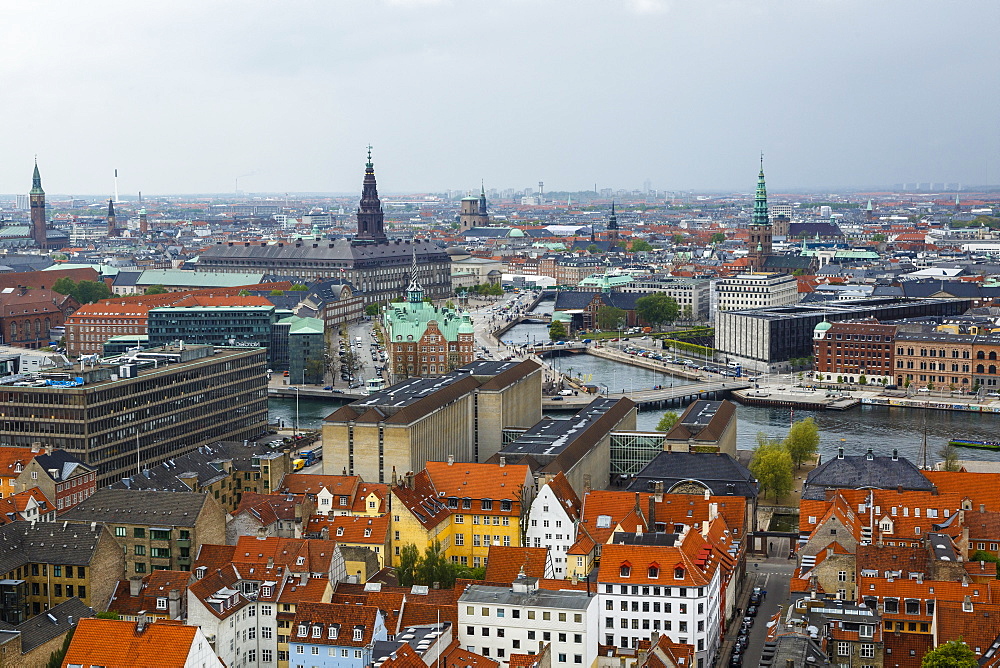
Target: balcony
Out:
[183,542]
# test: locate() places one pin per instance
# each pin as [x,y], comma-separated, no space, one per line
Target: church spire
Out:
[612,228]
[370,215]
[760,216]
[414,293]
[36,181]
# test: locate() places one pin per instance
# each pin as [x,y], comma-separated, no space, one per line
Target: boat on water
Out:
[965,443]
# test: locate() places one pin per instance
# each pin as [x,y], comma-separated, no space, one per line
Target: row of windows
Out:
[682,592]
[515,613]
[650,606]
[646,625]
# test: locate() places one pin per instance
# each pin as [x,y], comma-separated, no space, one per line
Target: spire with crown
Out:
[613,219]
[370,215]
[111,207]
[760,216]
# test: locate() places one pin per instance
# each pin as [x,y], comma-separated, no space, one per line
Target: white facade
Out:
[549,525]
[201,653]
[691,615]
[242,638]
[757,290]
[497,622]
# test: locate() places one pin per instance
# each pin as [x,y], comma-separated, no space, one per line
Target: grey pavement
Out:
[773,575]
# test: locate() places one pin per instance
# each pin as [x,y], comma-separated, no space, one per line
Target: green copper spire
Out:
[760,202]
[369,164]
[36,182]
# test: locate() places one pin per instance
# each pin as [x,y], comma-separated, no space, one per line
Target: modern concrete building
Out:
[121,414]
[695,293]
[459,415]
[765,339]
[756,290]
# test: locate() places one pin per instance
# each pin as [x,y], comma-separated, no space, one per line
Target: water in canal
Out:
[880,427]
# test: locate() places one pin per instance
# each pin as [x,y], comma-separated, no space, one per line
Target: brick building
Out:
[27,315]
[90,326]
[850,349]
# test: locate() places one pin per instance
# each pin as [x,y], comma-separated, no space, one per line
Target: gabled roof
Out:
[563,491]
[505,563]
[157,584]
[163,644]
[858,471]
[124,506]
[56,621]
[422,500]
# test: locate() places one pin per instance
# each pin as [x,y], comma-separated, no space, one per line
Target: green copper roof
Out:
[760,201]
[823,326]
[300,325]
[36,182]
[408,321]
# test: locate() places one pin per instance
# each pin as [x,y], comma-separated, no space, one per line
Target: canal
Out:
[880,427]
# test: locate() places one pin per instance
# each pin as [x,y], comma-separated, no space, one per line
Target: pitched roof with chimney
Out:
[417,495]
[603,512]
[127,506]
[15,506]
[156,585]
[14,459]
[163,644]
[345,619]
[57,620]
[568,499]
[297,555]
[691,563]
[351,528]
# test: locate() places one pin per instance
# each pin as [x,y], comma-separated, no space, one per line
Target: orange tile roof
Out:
[155,585]
[458,657]
[10,459]
[980,488]
[978,627]
[422,501]
[351,528]
[404,657]
[621,507]
[567,496]
[315,552]
[115,643]
[505,563]
[481,481]
[640,559]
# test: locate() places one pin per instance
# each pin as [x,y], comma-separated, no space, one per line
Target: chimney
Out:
[303,579]
[451,460]
[708,494]
[840,453]
[869,455]
[409,479]
[174,604]
[895,455]
[503,461]
[658,490]
[261,533]
[651,515]
[134,586]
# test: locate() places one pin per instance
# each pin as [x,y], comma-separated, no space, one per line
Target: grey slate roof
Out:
[40,629]
[722,474]
[61,461]
[127,506]
[47,542]
[859,472]
[542,598]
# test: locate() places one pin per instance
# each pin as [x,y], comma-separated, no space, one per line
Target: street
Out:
[773,575]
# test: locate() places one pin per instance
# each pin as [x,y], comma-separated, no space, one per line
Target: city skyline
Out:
[200,99]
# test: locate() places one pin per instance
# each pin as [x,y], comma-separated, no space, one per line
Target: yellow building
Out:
[467,507]
[459,415]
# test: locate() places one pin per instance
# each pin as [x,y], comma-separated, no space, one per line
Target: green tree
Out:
[772,466]
[878,238]
[298,287]
[802,441]
[108,615]
[949,456]
[57,656]
[593,249]
[85,292]
[640,245]
[608,317]
[717,238]
[930,385]
[155,290]
[406,572]
[433,567]
[557,331]
[277,293]
[371,310]
[64,285]
[678,238]
[668,421]
[687,313]
[862,380]
[657,309]
[952,654]
[244,293]
[450,304]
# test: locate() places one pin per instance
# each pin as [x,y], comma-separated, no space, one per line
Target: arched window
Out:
[979,368]
[38,327]
[993,368]
[993,355]
[980,355]
[47,325]
[13,331]
[625,570]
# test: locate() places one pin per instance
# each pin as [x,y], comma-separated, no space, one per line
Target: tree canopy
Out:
[371,310]
[717,238]
[668,421]
[85,292]
[557,331]
[609,316]
[298,287]
[802,441]
[657,309]
[952,654]
[772,466]
[155,290]
[640,245]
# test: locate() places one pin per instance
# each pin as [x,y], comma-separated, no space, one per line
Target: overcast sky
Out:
[186,97]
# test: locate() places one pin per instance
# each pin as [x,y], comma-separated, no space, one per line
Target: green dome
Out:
[516,232]
[823,326]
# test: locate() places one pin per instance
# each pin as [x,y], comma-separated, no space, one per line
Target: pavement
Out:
[773,575]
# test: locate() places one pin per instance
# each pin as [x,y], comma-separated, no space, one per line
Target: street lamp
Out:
[295,432]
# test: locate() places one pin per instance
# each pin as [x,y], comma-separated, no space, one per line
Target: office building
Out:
[123,414]
[461,414]
[755,290]
[244,322]
[693,295]
[765,339]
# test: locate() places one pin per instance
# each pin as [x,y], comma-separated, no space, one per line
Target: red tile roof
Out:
[505,563]
[114,643]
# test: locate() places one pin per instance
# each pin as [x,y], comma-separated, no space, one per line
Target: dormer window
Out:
[678,572]
[18,467]
[453,502]
[303,631]
[300,561]
[487,504]
[332,633]
[343,500]
[340,531]
[358,634]
[625,571]
[161,603]
[317,631]
[653,572]
[368,533]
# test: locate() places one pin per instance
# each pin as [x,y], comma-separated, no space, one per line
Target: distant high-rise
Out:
[37,205]
[143,222]
[370,216]
[760,225]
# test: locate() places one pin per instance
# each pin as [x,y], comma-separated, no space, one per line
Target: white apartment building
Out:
[673,589]
[500,621]
[551,521]
[756,290]
[687,292]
